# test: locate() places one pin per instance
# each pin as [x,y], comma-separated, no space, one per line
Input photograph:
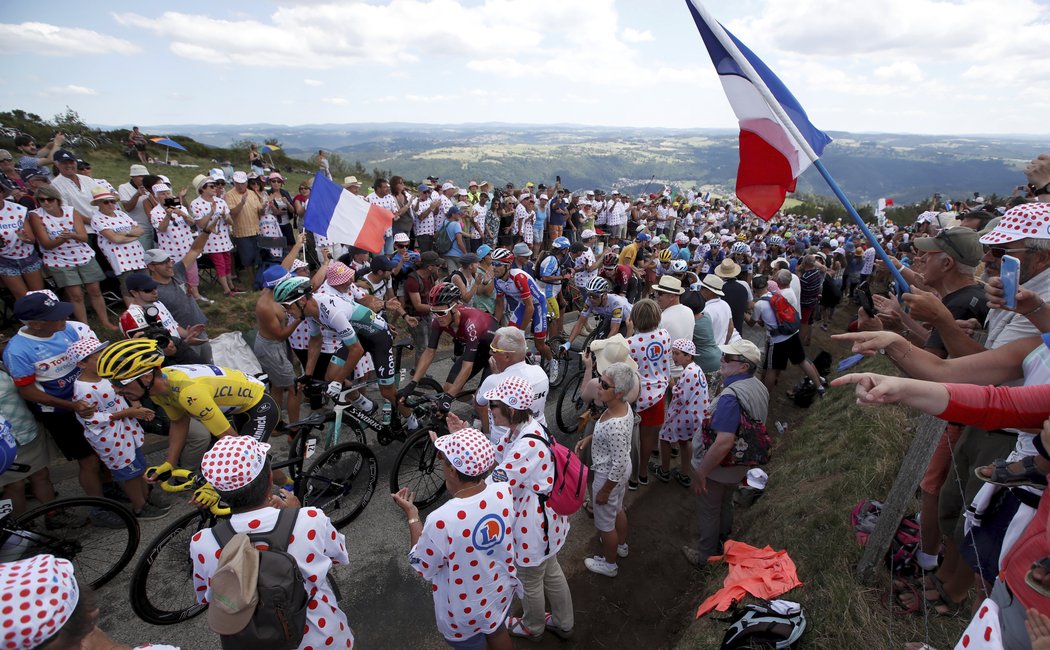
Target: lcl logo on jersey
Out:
[489,533]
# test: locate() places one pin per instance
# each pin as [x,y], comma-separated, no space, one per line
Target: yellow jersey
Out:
[208,393]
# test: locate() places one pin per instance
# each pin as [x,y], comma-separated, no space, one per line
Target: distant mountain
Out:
[868,166]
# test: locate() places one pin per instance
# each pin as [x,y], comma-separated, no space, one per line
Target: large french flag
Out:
[771,157]
[345,218]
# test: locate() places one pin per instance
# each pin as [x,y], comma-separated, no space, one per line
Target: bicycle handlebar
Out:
[186,480]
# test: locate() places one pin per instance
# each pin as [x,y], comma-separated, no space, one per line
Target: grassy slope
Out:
[835,456]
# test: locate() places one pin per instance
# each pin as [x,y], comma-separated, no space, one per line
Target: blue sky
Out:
[918,66]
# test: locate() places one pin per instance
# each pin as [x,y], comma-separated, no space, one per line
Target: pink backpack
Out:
[570,478]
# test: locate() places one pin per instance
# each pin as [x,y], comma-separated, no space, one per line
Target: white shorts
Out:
[605,515]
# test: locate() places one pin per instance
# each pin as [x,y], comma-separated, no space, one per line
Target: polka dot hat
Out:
[339,273]
[38,597]
[515,392]
[685,345]
[469,451]
[83,348]
[1021,222]
[234,462]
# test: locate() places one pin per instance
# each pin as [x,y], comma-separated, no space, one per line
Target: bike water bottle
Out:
[386,414]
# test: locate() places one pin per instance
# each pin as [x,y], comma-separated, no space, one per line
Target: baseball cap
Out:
[233,462]
[467,450]
[157,256]
[40,594]
[39,306]
[234,595]
[743,348]
[484,250]
[1021,222]
[273,275]
[34,172]
[961,244]
[587,233]
[381,263]
[515,392]
[140,282]
[64,155]
[429,258]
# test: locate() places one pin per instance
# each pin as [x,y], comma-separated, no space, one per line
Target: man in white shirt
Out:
[718,310]
[507,352]
[133,195]
[75,188]
[782,347]
[787,282]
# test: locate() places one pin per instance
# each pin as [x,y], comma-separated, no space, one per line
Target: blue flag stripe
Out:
[324,195]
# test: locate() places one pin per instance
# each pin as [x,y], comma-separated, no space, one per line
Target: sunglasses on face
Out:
[304,189]
[998,251]
[208,186]
[47,199]
[108,202]
[604,384]
[499,264]
[401,245]
[441,313]
[728,358]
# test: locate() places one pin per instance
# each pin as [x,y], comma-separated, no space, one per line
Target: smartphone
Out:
[1009,271]
[863,293]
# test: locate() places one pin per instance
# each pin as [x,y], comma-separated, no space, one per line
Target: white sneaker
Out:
[622,550]
[597,564]
[365,404]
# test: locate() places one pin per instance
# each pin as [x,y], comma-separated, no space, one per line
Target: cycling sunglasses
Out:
[441,313]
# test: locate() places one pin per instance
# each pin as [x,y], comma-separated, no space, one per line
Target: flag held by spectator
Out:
[346,218]
[771,156]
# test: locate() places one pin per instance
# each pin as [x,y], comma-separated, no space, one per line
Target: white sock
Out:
[926,561]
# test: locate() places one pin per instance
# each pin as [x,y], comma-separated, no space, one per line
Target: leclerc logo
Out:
[488,533]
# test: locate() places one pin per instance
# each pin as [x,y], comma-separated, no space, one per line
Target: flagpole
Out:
[778,110]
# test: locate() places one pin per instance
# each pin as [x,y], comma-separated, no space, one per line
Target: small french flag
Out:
[345,218]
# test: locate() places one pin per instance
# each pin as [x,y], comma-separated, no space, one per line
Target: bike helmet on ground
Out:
[560,243]
[665,255]
[125,360]
[679,266]
[502,255]
[598,285]
[291,289]
[445,293]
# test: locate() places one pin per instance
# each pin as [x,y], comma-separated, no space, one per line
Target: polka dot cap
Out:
[469,451]
[339,273]
[234,462]
[1020,222]
[515,392]
[685,345]
[83,348]
[39,595]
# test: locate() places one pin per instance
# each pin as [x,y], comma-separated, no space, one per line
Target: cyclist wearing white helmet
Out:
[552,271]
[530,303]
[600,302]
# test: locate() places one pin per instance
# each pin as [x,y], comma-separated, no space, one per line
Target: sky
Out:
[899,66]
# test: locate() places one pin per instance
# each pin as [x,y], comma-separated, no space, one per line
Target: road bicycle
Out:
[99,536]
[340,481]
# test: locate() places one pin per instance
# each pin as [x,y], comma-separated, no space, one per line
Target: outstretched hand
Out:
[869,343]
[874,389]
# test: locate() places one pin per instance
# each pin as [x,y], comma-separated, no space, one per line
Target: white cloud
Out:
[313,82]
[336,101]
[901,72]
[632,35]
[53,40]
[70,89]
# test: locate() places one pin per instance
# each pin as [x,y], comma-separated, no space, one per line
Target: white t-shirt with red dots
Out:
[315,544]
[178,238]
[690,406]
[114,440]
[124,257]
[12,220]
[526,467]
[466,551]
[71,252]
[219,241]
[652,352]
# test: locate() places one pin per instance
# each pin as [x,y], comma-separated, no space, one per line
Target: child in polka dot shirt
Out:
[690,407]
[113,430]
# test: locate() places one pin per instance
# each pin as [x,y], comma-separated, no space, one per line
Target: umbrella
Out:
[270,148]
[169,144]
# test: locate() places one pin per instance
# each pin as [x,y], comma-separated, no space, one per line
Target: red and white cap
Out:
[83,348]
[685,345]
[1021,222]
[39,595]
[468,450]
[681,238]
[515,392]
[299,264]
[339,273]
[234,461]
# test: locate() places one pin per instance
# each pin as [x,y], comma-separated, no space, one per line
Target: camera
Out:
[154,329]
[172,202]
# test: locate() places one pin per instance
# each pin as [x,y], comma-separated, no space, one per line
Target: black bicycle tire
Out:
[573,385]
[368,458]
[138,589]
[420,438]
[430,384]
[125,515]
[563,360]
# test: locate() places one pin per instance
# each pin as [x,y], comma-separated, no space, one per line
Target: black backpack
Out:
[279,619]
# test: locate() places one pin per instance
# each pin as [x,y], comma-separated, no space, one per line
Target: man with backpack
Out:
[781,321]
[287,551]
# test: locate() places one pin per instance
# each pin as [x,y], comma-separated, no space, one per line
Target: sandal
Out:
[683,479]
[517,628]
[942,605]
[1003,475]
[1030,580]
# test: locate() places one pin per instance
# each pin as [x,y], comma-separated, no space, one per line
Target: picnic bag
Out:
[900,558]
[278,619]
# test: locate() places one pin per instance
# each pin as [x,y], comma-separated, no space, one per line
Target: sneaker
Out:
[597,564]
[365,404]
[105,519]
[693,556]
[674,452]
[563,634]
[632,486]
[63,519]
[151,512]
[516,628]
[683,479]
[622,550]
[642,480]
[204,300]
[663,474]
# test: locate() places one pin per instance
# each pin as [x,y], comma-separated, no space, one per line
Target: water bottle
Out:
[386,414]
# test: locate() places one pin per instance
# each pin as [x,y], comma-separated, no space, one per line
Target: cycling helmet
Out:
[741,237]
[502,255]
[291,289]
[560,243]
[445,293]
[740,248]
[598,285]
[132,322]
[679,266]
[610,260]
[665,255]
[129,359]
[776,240]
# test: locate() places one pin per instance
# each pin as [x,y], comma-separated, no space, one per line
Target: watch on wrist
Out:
[1037,191]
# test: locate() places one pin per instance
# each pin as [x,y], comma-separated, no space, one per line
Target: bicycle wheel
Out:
[416,468]
[570,404]
[428,386]
[161,588]
[98,536]
[341,482]
[558,378]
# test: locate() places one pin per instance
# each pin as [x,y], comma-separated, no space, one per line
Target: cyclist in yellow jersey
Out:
[211,394]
